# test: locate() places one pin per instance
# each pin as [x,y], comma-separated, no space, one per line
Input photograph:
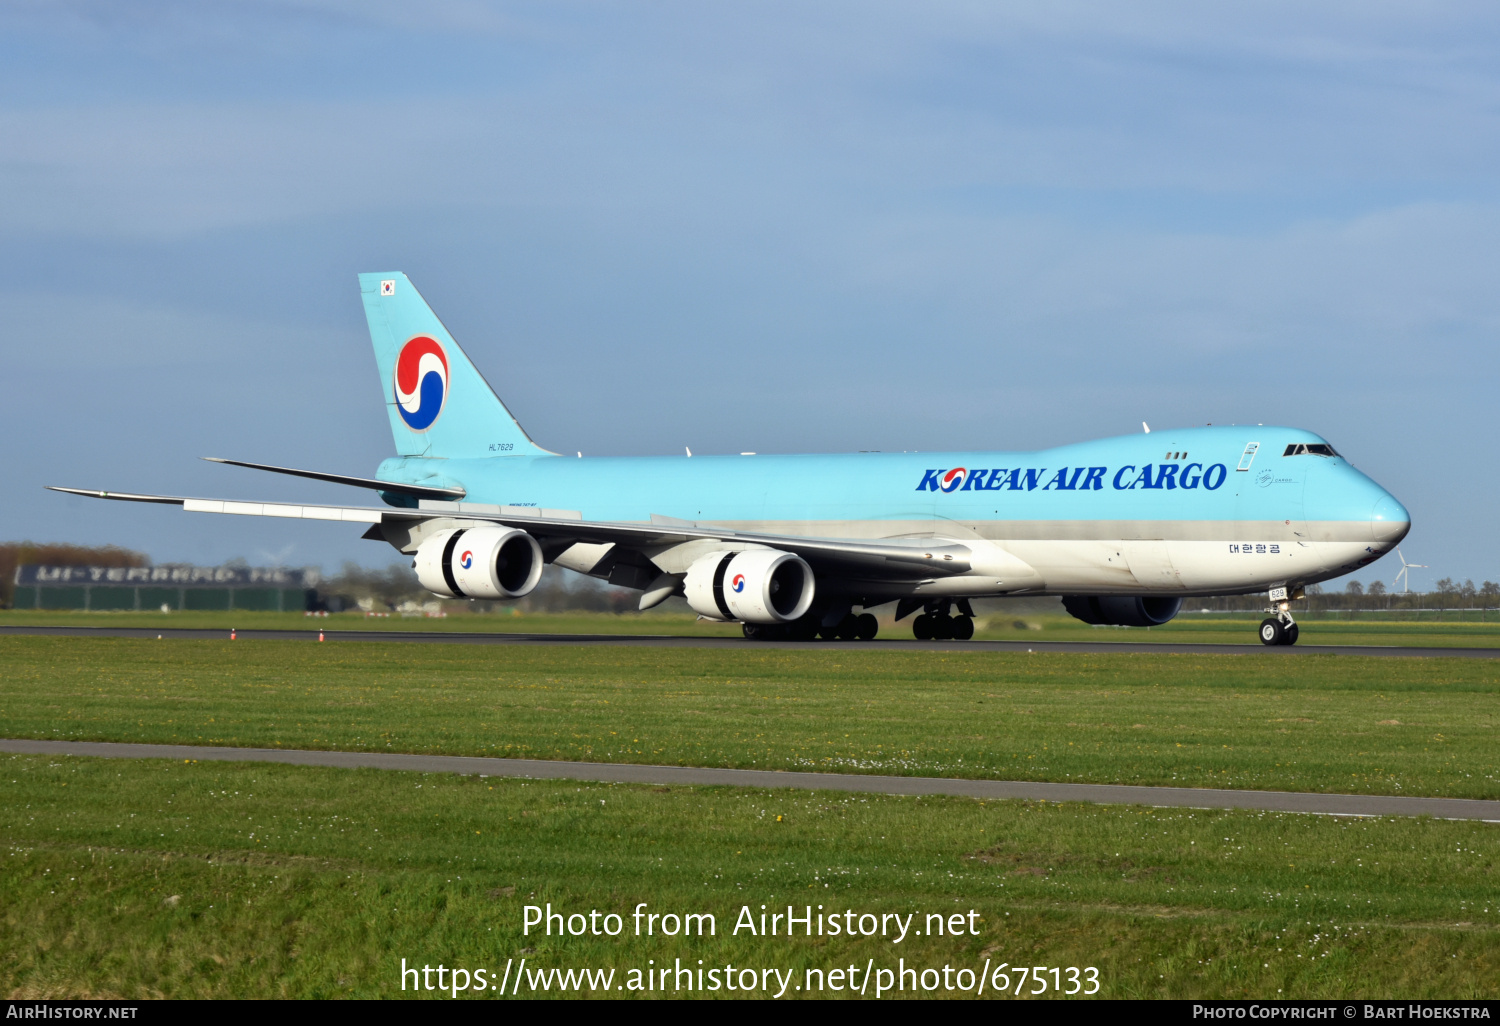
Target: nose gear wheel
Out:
[1279,628]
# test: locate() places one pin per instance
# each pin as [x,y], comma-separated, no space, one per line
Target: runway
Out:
[688,641]
[625,773]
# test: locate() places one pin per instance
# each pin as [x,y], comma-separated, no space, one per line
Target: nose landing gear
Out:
[1273,631]
[1280,628]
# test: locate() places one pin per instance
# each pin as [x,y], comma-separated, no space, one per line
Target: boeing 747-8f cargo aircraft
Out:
[790,546]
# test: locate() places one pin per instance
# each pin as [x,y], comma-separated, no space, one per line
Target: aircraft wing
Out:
[913,558]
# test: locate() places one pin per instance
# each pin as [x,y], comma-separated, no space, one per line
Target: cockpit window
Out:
[1315,449]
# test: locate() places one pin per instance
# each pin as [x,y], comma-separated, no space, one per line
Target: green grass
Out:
[1218,629]
[163,879]
[1314,723]
[158,878]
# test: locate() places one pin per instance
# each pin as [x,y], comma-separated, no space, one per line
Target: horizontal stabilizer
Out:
[399,487]
[94,493]
[890,557]
[295,511]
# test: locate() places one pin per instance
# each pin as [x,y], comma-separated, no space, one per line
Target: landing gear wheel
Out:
[942,628]
[848,628]
[752,631]
[867,626]
[805,629]
[1272,632]
[1290,634]
[963,628]
[921,627]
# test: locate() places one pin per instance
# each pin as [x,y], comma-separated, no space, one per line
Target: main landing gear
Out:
[936,622]
[850,627]
[1280,628]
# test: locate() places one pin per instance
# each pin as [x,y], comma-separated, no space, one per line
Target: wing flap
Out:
[346,514]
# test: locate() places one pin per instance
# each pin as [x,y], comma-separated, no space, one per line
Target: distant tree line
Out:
[1446,594]
[396,586]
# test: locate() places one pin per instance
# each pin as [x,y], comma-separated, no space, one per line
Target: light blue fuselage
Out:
[1195,494]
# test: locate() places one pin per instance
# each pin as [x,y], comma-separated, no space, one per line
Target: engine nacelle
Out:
[754,586]
[479,562]
[1122,610]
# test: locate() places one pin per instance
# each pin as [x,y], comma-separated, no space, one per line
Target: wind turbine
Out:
[278,559]
[1403,576]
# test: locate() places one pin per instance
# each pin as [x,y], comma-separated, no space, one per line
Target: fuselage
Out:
[1213,510]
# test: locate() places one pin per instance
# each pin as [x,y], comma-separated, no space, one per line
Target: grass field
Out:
[143,879]
[1219,629]
[1317,723]
[163,878]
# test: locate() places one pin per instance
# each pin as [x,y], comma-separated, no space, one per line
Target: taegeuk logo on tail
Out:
[421,382]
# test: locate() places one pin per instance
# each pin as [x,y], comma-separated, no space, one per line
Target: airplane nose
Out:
[1389,520]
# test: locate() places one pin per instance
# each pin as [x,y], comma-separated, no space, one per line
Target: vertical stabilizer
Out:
[439,403]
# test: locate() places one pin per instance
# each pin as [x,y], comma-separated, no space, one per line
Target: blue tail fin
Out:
[439,403]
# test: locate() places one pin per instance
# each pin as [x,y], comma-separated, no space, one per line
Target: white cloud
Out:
[718,113]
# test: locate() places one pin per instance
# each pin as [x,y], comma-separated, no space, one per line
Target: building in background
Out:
[166,588]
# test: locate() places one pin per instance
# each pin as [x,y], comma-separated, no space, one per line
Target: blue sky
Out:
[770,227]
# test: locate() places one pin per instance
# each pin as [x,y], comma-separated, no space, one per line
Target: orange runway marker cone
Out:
[231,634]
[320,635]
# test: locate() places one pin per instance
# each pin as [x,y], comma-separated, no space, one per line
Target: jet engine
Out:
[754,586]
[479,562]
[1122,610]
